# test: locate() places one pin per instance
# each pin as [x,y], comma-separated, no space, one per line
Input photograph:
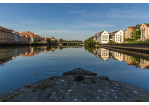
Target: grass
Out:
[92,79]
[44,85]
[33,90]
[140,101]
[36,86]
[51,78]
[10,97]
[3,100]
[27,85]
[14,95]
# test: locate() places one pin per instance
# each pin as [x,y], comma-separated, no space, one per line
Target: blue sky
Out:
[72,21]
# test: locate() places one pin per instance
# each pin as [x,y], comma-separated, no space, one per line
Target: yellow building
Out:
[144,31]
[129,31]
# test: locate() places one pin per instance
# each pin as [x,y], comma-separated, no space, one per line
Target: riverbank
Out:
[24,44]
[66,89]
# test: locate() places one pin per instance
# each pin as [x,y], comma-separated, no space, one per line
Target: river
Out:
[25,65]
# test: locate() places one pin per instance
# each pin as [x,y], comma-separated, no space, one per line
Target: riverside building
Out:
[101,37]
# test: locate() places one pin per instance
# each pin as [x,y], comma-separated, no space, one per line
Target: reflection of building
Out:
[104,54]
[127,59]
[6,55]
[144,64]
[118,56]
[101,53]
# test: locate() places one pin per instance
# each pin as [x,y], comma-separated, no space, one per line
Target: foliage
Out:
[146,40]
[97,43]
[48,40]
[128,39]
[112,42]
[61,40]
[90,49]
[90,41]
[136,35]
[55,41]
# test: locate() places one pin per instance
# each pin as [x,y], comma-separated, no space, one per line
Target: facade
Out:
[102,37]
[117,36]
[144,31]
[129,31]
[17,37]
[30,34]
[24,38]
[6,35]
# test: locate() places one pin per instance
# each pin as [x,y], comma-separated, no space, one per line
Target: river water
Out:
[26,65]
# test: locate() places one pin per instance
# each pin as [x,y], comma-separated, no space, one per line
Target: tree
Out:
[55,41]
[136,35]
[61,40]
[48,40]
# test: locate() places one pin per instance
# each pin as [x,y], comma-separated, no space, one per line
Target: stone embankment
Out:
[66,89]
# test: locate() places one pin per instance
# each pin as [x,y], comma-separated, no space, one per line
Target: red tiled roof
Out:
[132,27]
[147,24]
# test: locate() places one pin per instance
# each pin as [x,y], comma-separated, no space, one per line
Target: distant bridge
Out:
[71,43]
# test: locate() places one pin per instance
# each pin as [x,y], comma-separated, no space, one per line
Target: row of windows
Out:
[7,39]
[143,37]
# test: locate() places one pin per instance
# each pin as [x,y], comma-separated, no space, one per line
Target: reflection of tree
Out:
[61,48]
[90,49]
[51,48]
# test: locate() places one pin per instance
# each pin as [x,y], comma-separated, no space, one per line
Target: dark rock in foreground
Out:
[79,71]
[66,89]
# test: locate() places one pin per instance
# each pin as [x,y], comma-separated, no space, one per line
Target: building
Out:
[6,35]
[30,34]
[129,31]
[117,36]
[17,37]
[24,38]
[144,31]
[101,37]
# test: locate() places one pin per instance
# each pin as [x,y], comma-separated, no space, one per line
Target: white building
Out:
[17,37]
[102,37]
[117,36]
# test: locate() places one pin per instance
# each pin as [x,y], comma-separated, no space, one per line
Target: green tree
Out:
[48,40]
[136,35]
[55,41]
[61,40]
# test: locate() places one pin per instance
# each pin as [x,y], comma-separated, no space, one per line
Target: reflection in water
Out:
[130,60]
[7,54]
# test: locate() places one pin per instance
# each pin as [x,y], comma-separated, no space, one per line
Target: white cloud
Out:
[114,13]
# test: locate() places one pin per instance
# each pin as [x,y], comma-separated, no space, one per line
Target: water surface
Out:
[26,65]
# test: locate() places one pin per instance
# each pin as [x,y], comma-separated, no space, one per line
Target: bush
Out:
[146,40]
[112,42]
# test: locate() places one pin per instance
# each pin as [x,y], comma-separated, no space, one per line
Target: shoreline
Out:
[66,89]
